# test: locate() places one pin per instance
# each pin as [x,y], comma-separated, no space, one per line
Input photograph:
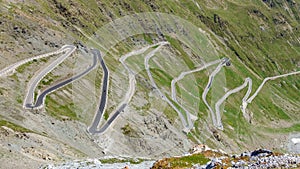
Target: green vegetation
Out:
[170,114]
[129,131]
[19,99]
[47,82]
[148,38]
[293,128]
[126,129]
[60,111]
[191,137]
[122,160]
[178,107]
[22,68]
[187,161]
[161,77]
[14,126]
[181,162]
[260,39]
[106,115]
[177,45]
[108,111]
[15,77]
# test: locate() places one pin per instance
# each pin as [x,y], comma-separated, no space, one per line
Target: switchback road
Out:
[29,99]
[41,97]
[207,88]
[105,82]
[11,68]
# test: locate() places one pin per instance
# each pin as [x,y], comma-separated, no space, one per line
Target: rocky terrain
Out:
[106,163]
[199,157]
[202,157]
[260,38]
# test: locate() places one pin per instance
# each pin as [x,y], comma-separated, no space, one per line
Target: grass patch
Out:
[47,82]
[129,131]
[122,160]
[293,128]
[15,127]
[22,68]
[106,115]
[181,162]
[59,111]
[176,44]
[161,77]
[148,38]
[191,137]
[19,99]
[178,107]
[188,161]
[170,114]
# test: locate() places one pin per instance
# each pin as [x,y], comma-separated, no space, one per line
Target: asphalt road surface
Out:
[41,98]
[93,128]
[35,81]
[108,123]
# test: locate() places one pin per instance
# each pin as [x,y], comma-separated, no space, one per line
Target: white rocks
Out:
[199,148]
[295,140]
[260,158]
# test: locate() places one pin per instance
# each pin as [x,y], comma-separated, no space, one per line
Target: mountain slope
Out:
[261,39]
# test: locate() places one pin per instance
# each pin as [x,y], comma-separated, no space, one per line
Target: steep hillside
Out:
[256,39]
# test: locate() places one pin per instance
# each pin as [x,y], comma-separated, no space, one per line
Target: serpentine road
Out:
[11,68]
[93,129]
[227,94]
[41,97]
[132,81]
[181,76]
[208,86]
[35,81]
[187,127]
[246,101]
